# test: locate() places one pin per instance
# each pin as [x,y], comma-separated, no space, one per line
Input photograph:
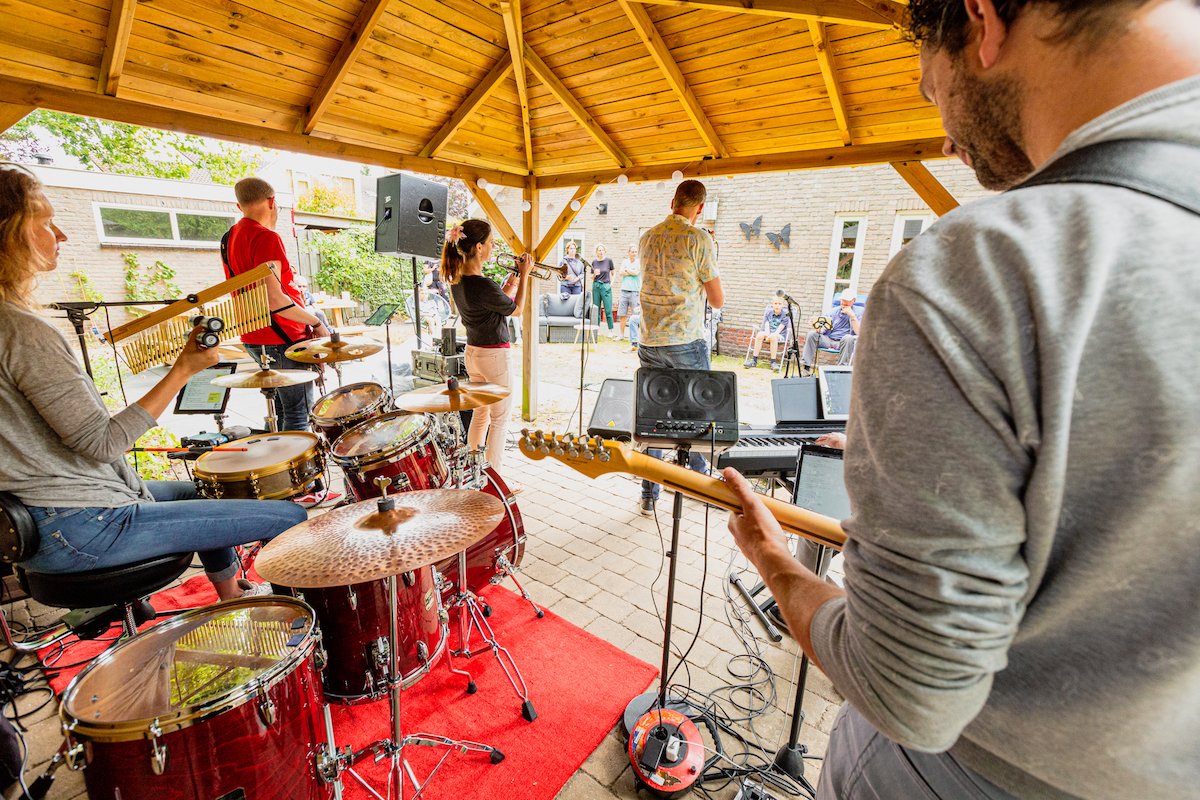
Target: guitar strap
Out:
[275,326]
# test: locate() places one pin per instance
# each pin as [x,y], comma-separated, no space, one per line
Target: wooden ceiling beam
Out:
[495,216]
[829,74]
[89,104]
[644,26]
[482,91]
[514,30]
[563,222]
[865,14]
[574,108]
[12,113]
[116,45]
[927,187]
[855,156]
[347,55]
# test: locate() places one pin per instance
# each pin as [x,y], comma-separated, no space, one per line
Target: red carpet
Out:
[578,683]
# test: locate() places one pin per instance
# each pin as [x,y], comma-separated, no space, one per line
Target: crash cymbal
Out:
[441,397]
[332,350]
[364,542]
[266,379]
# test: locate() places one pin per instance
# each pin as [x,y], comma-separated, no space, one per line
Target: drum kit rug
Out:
[230,702]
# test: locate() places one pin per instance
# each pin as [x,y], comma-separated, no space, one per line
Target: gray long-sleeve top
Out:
[59,445]
[1023,460]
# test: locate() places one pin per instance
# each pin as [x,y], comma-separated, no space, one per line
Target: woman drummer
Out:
[63,455]
[485,309]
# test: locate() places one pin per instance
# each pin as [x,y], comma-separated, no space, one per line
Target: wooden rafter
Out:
[529,320]
[574,108]
[866,14]
[829,74]
[482,91]
[564,221]
[89,104]
[927,187]
[644,26]
[352,46]
[11,114]
[496,216]
[516,46]
[116,44]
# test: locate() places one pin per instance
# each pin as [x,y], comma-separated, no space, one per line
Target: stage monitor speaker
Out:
[685,406]
[612,417]
[410,216]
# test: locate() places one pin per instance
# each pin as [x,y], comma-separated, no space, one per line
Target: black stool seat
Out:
[100,587]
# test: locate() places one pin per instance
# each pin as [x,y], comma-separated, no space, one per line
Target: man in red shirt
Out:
[253,242]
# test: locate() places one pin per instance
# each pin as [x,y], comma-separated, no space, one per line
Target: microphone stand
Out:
[78,313]
[792,355]
[583,342]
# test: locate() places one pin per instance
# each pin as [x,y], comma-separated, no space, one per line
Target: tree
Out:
[125,149]
[324,199]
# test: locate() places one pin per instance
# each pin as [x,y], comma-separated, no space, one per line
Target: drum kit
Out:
[231,701]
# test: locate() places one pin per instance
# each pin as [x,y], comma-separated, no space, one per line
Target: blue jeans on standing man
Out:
[693,355]
[178,521]
[292,403]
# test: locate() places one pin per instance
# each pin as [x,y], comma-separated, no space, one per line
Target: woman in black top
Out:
[484,308]
[602,270]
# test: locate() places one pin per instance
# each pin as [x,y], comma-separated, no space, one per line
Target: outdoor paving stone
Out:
[650,652]
[614,607]
[583,786]
[573,611]
[544,572]
[585,550]
[613,563]
[581,568]
[577,588]
[609,759]
[548,553]
[619,545]
[612,632]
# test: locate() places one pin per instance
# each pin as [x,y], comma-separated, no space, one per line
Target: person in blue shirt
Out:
[776,328]
[843,336]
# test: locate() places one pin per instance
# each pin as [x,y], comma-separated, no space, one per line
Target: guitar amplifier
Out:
[434,366]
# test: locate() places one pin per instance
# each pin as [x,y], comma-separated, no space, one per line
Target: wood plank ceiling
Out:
[566,91]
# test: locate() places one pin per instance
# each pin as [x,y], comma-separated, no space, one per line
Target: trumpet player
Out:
[485,308]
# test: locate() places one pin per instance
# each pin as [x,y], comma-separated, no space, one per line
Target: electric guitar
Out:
[596,456]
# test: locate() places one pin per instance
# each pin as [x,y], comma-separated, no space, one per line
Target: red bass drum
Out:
[504,546]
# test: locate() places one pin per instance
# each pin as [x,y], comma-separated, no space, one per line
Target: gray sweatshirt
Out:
[1023,460]
[59,446]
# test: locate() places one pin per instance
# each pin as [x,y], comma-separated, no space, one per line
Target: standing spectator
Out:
[841,337]
[776,328]
[574,282]
[630,273]
[602,270]
[679,272]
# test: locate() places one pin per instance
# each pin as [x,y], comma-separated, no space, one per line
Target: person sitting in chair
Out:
[842,336]
[776,328]
[63,455]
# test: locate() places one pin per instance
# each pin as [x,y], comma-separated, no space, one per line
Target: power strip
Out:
[753,791]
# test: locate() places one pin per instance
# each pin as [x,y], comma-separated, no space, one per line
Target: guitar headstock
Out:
[592,455]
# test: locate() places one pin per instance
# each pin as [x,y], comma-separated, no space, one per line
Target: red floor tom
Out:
[346,407]
[505,544]
[219,702]
[398,446]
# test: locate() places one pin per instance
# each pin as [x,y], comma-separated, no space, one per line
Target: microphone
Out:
[787,297]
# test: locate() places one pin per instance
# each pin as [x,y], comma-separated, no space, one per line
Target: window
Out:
[845,258]
[577,238]
[161,226]
[908,227]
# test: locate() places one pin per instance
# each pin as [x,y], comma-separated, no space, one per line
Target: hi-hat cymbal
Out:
[359,543]
[441,398]
[332,350]
[265,379]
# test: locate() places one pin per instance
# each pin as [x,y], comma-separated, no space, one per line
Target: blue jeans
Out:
[292,403]
[693,355]
[82,539]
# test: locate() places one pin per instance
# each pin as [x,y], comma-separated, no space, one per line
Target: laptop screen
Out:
[820,484]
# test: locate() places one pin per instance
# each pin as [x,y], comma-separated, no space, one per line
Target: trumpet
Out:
[540,271]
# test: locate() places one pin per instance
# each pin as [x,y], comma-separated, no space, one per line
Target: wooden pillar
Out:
[11,114]
[529,314]
[927,187]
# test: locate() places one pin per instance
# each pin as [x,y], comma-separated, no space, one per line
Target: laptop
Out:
[821,487]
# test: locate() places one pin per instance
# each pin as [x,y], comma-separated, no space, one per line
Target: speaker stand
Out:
[583,340]
[416,296]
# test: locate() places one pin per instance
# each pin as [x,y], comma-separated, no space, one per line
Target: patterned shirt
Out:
[677,260]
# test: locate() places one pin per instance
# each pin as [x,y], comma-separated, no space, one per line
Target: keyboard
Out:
[772,452]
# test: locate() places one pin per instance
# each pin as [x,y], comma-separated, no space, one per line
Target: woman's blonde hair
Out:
[20,202]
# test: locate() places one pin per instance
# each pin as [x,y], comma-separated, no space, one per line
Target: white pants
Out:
[489,365]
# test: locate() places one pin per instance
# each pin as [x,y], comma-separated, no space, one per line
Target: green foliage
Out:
[156,283]
[87,290]
[150,466]
[124,149]
[325,199]
[349,263]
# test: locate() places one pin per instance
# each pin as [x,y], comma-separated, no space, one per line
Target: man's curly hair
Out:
[942,24]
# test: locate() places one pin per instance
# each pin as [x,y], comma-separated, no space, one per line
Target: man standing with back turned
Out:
[679,271]
[1021,615]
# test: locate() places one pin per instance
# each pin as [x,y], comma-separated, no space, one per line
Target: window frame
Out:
[835,250]
[898,228]
[172,213]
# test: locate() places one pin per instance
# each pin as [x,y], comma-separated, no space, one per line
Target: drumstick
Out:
[186,449]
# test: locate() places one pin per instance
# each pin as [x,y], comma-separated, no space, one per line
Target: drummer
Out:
[63,455]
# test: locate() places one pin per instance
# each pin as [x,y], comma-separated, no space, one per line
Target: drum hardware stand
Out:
[791,353]
[508,570]
[78,313]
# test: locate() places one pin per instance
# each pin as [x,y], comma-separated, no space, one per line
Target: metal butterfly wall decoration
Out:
[783,237]
[751,229]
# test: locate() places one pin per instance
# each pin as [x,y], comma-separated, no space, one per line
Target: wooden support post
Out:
[12,113]
[927,187]
[529,314]
[499,221]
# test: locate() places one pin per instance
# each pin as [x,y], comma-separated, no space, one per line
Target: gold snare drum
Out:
[275,466]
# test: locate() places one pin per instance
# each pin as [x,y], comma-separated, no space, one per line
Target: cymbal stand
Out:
[271,423]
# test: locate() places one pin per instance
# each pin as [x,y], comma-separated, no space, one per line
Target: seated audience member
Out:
[841,337]
[776,328]
[574,282]
[433,312]
[63,455]
[310,302]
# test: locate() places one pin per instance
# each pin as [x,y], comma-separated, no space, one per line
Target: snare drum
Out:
[220,702]
[342,409]
[275,466]
[505,545]
[399,446]
[355,634]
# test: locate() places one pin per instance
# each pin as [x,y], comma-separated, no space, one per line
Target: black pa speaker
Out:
[410,216]
[612,417]
[692,406]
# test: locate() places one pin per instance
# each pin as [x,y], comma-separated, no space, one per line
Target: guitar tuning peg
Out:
[544,443]
[587,454]
[526,442]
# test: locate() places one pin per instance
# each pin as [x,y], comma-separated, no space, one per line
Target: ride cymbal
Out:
[332,350]
[367,541]
[265,379]
[441,398]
